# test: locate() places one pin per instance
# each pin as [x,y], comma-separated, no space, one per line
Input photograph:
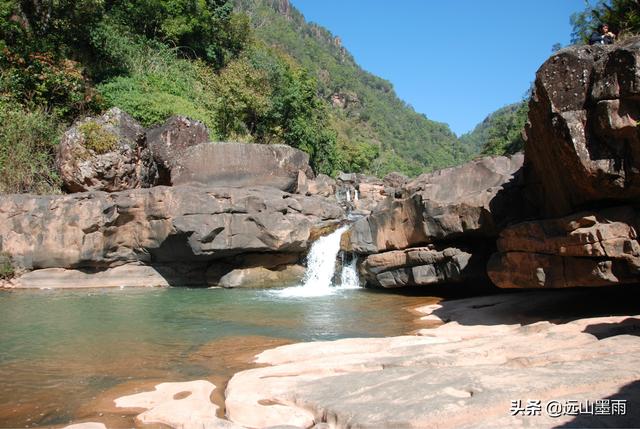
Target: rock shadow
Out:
[630,394]
[531,306]
[630,326]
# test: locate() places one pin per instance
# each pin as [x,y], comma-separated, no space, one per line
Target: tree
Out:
[622,16]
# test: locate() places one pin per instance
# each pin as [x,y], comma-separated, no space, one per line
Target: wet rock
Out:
[168,143]
[105,153]
[241,165]
[260,277]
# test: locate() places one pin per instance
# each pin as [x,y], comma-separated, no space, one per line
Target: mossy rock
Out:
[97,138]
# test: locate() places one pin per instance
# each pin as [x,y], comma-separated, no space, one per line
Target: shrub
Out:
[97,138]
[6,266]
[27,150]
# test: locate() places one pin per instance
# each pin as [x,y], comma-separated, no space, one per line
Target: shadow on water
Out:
[630,394]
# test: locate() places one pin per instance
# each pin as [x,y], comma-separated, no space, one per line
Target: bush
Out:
[97,138]
[6,266]
[157,84]
[27,151]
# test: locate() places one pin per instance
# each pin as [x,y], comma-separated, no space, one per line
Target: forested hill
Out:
[365,111]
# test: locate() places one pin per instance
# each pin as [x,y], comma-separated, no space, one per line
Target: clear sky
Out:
[456,61]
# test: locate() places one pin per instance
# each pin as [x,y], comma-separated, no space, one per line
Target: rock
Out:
[421,266]
[241,165]
[86,425]
[321,185]
[260,277]
[107,153]
[582,139]
[585,249]
[473,200]
[123,276]
[179,405]
[456,375]
[168,143]
[395,180]
[174,228]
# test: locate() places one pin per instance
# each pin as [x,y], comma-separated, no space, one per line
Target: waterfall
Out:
[349,276]
[321,269]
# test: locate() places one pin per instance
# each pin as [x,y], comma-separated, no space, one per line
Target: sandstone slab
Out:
[453,376]
[169,141]
[422,266]
[241,165]
[595,248]
[184,405]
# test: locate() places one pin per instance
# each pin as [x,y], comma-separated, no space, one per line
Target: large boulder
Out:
[169,141]
[105,153]
[424,266]
[241,165]
[583,140]
[596,248]
[473,200]
[184,228]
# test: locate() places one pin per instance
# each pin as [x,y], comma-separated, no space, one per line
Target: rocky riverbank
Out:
[480,365]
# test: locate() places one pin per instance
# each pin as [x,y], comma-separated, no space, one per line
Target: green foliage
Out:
[6,266]
[27,151]
[204,29]
[622,16]
[146,84]
[376,116]
[501,132]
[97,138]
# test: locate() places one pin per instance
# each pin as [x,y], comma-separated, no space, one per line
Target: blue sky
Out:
[456,61]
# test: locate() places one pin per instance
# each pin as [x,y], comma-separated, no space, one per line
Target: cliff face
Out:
[577,189]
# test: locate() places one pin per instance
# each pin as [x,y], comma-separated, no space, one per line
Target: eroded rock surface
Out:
[107,153]
[583,138]
[597,248]
[169,141]
[176,228]
[422,266]
[459,375]
[184,405]
[472,200]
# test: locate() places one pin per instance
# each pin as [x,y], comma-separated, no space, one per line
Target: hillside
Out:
[500,132]
[251,70]
[365,110]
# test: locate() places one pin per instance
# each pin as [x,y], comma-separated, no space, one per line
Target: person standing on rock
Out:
[603,36]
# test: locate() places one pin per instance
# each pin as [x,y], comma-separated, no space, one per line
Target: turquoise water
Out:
[62,351]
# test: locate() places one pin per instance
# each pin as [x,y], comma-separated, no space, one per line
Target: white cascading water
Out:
[349,276]
[321,267]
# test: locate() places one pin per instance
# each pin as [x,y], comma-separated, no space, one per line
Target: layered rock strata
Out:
[581,172]
[187,234]
[458,211]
